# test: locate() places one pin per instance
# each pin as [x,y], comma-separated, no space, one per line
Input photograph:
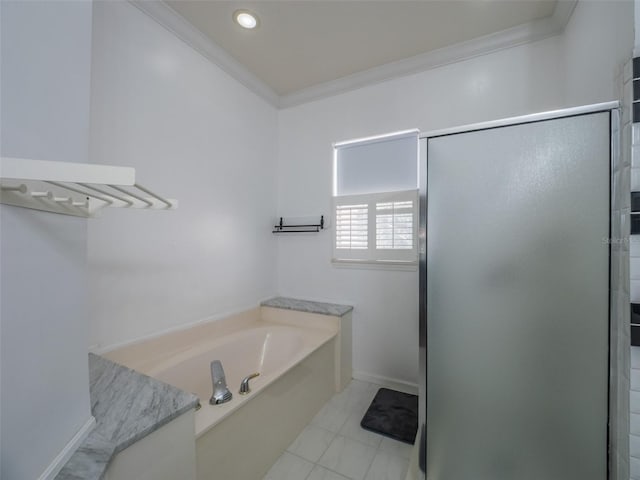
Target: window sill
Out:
[375,265]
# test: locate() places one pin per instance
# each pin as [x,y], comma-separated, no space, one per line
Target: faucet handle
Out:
[244,385]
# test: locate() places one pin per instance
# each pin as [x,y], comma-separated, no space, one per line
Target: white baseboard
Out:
[391,383]
[69,449]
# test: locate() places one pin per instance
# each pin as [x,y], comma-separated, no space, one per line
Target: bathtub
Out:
[300,358]
[268,350]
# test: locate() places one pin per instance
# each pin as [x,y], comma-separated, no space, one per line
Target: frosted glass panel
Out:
[517,302]
[386,165]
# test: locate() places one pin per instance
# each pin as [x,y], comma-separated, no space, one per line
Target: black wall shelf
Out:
[308,228]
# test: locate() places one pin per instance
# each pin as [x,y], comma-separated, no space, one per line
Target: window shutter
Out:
[376,228]
[352,226]
[394,225]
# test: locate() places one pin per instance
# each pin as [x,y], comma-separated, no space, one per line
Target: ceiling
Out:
[301,45]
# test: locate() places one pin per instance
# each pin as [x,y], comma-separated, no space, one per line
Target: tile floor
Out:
[334,446]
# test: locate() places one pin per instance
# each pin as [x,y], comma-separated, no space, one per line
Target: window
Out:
[377,227]
[375,203]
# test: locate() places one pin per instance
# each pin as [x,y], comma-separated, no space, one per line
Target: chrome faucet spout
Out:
[221,393]
[244,385]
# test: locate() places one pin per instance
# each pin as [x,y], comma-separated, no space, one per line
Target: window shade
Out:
[386,164]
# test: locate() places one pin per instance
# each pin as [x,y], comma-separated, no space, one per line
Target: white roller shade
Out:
[387,164]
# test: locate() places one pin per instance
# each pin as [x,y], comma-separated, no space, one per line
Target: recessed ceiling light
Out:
[245,18]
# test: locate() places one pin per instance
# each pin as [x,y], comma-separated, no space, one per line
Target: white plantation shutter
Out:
[352,226]
[394,225]
[376,228]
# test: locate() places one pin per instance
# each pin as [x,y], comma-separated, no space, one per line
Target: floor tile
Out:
[362,386]
[289,467]
[356,397]
[353,430]
[387,467]
[363,391]
[311,443]
[321,473]
[340,448]
[348,457]
[331,417]
[395,447]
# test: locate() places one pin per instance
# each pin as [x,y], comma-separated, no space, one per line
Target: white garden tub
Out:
[269,350]
[297,355]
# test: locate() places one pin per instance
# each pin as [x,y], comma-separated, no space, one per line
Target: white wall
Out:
[194,134]
[578,67]
[596,44]
[45,115]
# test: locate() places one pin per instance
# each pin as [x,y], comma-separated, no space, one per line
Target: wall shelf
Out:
[299,228]
[78,189]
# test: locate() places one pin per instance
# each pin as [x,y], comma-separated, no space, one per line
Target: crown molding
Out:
[512,37]
[562,14]
[166,16]
[519,35]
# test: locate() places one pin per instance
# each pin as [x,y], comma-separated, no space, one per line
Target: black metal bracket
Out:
[312,228]
[635,324]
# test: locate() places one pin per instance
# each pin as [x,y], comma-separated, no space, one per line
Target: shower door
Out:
[515,307]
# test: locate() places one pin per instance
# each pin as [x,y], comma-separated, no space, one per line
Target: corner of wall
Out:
[46,55]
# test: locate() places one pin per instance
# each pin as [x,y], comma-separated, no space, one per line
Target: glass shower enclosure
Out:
[514,307]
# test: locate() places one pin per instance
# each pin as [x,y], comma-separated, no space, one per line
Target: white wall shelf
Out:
[79,189]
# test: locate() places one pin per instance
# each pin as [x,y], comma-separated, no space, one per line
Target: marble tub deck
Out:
[308,306]
[127,406]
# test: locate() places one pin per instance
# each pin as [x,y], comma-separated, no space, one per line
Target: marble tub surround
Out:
[308,306]
[127,407]
[91,460]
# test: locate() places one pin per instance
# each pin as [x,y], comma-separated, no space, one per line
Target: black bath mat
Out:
[394,414]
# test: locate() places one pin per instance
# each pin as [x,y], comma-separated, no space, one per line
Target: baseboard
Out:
[391,383]
[69,449]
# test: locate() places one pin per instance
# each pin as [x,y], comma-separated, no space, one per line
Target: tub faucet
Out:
[221,393]
[244,385]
